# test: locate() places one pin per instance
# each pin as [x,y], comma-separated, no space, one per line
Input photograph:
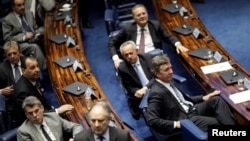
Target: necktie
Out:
[101,138]
[17,73]
[141,75]
[25,25]
[180,96]
[142,42]
[38,88]
[46,135]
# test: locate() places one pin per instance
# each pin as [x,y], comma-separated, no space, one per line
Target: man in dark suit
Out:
[20,26]
[134,86]
[10,72]
[28,85]
[154,33]
[100,116]
[54,126]
[167,104]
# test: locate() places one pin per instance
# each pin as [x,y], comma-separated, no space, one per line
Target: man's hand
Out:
[7,90]
[117,62]
[65,108]
[29,35]
[181,48]
[140,93]
[208,96]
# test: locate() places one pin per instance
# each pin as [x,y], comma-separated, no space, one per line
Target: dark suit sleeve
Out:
[116,41]
[154,113]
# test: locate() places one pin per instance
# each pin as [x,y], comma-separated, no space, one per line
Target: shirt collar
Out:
[105,135]
[139,28]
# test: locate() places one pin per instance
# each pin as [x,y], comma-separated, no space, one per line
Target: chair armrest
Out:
[9,135]
[191,132]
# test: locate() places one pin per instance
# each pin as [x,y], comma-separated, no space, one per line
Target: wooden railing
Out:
[62,77]
[192,64]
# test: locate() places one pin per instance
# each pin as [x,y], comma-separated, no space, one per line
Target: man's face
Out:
[13,54]
[32,70]
[129,53]
[18,7]
[140,16]
[165,73]
[98,120]
[34,113]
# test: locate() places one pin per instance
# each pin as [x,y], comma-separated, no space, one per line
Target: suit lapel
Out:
[168,92]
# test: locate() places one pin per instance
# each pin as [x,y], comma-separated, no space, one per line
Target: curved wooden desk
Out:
[193,64]
[62,77]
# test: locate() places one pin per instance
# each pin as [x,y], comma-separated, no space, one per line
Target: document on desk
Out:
[240,97]
[216,67]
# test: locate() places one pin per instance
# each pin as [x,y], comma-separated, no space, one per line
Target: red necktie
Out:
[142,42]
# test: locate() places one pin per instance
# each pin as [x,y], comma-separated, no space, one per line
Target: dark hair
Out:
[23,60]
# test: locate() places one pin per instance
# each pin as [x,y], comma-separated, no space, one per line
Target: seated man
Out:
[38,8]
[28,85]
[20,26]
[167,104]
[147,34]
[40,126]
[100,116]
[10,72]
[131,79]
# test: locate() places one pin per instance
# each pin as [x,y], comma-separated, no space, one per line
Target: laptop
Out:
[76,88]
[59,39]
[200,53]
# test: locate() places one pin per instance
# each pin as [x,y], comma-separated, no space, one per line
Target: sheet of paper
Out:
[216,67]
[240,97]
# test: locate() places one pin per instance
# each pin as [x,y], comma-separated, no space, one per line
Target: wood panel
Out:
[62,77]
[192,64]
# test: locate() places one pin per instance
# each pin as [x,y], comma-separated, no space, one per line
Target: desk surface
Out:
[62,77]
[192,64]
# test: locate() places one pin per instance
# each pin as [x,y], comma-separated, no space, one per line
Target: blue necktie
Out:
[141,75]
[180,96]
[25,25]
[17,72]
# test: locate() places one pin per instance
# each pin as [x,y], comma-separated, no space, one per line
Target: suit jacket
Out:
[129,77]
[22,89]
[45,5]
[163,108]
[28,132]
[115,134]
[12,28]
[6,74]
[129,32]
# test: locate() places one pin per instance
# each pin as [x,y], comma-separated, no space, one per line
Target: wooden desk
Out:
[62,77]
[192,64]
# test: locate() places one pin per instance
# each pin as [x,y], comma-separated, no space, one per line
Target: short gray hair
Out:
[158,61]
[104,105]
[31,101]
[129,42]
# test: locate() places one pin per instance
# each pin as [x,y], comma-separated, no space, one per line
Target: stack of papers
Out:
[216,67]
[240,97]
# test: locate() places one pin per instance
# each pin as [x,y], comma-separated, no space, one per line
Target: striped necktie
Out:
[142,42]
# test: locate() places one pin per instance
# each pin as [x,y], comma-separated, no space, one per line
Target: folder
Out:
[76,88]
[59,39]
[201,53]
[184,29]
[65,61]
[231,76]
[172,8]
